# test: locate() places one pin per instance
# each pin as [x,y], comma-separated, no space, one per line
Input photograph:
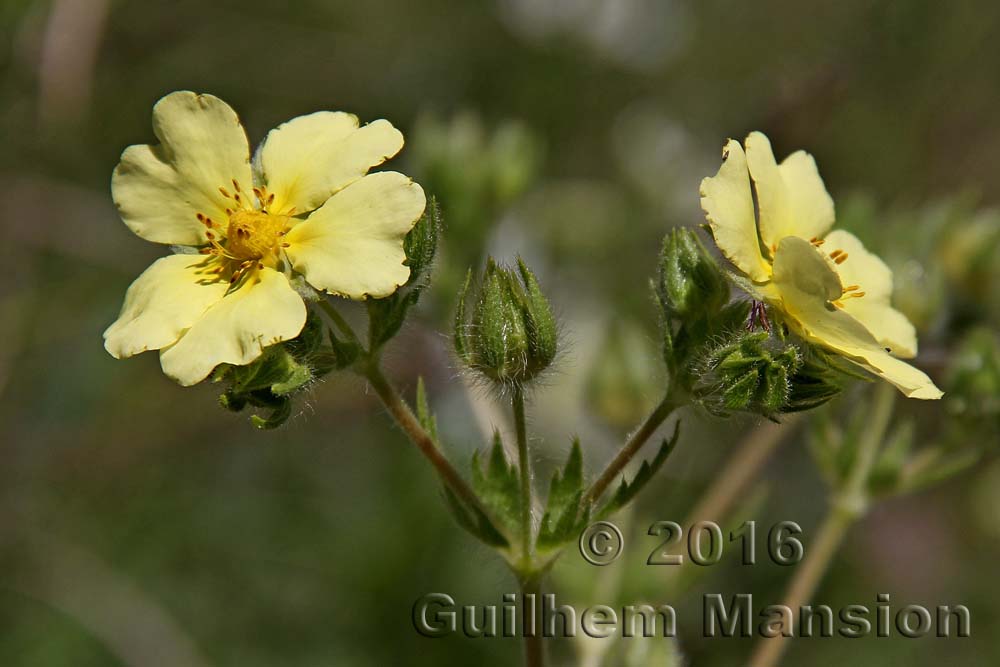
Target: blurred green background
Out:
[140,524]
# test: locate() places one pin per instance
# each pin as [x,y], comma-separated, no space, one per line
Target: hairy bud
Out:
[512,335]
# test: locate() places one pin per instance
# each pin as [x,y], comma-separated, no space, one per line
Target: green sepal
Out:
[279,415]
[387,315]
[627,491]
[539,320]
[420,244]
[739,394]
[460,332]
[690,283]
[343,353]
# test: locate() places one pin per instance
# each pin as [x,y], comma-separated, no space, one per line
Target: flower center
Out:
[254,234]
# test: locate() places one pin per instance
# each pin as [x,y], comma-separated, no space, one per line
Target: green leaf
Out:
[938,465]
[474,521]
[563,518]
[424,414]
[498,485]
[626,492]
[888,468]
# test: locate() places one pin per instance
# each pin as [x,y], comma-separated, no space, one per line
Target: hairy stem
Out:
[534,646]
[629,449]
[404,417]
[847,507]
[524,464]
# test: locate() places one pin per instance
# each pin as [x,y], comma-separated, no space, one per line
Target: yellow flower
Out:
[305,206]
[830,289]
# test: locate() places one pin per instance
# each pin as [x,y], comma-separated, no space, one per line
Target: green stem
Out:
[408,421]
[848,506]
[534,646]
[629,449]
[524,463]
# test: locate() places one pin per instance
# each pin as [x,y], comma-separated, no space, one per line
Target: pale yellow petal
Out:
[264,311]
[728,205]
[811,206]
[893,331]
[874,279]
[861,267]
[791,197]
[804,266]
[159,190]
[353,244]
[162,303]
[820,322]
[307,159]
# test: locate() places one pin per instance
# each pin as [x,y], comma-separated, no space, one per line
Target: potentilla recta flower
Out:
[243,232]
[829,288]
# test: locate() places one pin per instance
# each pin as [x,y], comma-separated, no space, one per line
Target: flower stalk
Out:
[629,450]
[524,465]
[406,420]
[848,505]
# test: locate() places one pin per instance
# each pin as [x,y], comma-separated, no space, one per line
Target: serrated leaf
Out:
[939,465]
[888,468]
[424,414]
[627,491]
[563,517]
[474,521]
[498,485]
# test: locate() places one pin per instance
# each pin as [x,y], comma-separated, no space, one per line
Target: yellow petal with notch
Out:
[874,310]
[800,275]
[728,205]
[160,189]
[309,158]
[791,197]
[263,311]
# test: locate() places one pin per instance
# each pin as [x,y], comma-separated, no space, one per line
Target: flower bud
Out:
[281,371]
[755,372]
[512,336]
[690,282]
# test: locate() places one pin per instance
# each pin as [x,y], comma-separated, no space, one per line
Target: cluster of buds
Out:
[714,350]
[512,335]
[272,380]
